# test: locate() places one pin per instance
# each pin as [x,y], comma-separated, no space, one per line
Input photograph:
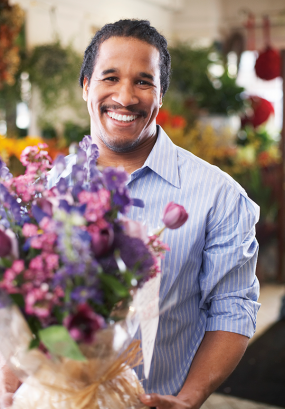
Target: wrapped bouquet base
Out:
[76,385]
[104,380]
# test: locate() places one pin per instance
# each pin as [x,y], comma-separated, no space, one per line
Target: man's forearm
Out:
[217,356]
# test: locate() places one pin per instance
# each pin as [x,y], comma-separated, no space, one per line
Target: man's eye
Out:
[142,82]
[113,79]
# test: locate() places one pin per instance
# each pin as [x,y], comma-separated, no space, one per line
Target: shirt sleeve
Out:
[229,287]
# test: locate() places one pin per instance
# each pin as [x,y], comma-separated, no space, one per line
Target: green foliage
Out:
[74,132]
[54,70]
[194,88]
[58,341]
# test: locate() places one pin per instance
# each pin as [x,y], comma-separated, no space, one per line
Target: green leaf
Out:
[58,341]
[18,299]
[114,285]
[5,262]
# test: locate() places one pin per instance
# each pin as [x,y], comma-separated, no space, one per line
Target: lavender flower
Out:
[4,171]
[78,174]
[60,163]
[85,143]
[62,186]
[81,157]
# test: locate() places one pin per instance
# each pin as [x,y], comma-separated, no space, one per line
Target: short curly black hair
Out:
[140,29]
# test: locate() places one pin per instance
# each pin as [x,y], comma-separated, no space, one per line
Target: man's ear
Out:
[85,89]
[160,100]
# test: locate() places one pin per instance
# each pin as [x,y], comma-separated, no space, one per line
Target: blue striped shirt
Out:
[208,277]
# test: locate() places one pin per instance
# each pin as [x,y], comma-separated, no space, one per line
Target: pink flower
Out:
[174,216]
[18,266]
[51,261]
[38,302]
[98,203]
[5,244]
[135,229]
[37,263]
[84,324]
[29,230]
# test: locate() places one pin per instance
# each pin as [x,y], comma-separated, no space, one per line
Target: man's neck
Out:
[131,161]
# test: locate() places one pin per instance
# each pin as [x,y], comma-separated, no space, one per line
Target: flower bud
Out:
[174,216]
[5,244]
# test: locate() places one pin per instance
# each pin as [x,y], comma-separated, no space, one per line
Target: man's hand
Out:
[165,402]
[9,383]
[216,358]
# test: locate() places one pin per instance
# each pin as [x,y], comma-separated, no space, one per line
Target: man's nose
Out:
[125,95]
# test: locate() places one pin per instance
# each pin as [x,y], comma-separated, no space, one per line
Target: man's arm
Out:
[217,356]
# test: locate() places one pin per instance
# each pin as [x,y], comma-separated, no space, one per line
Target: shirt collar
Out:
[163,159]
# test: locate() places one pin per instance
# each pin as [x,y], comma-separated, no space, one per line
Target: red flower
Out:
[178,121]
[163,117]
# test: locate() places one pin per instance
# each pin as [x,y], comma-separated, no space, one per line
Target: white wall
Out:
[75,21]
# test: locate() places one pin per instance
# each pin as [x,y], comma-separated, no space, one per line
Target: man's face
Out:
[124,93]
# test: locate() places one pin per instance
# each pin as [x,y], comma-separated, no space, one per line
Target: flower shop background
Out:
[218,106]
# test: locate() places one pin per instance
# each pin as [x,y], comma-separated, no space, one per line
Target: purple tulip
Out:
[5,244]
[101,240]
[84,324]
[174,216]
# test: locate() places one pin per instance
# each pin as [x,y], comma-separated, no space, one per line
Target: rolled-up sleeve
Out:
[229,287]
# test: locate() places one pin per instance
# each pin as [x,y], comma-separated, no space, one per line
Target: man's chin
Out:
[121,147]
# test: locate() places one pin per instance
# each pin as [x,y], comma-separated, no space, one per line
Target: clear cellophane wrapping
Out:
[105,380]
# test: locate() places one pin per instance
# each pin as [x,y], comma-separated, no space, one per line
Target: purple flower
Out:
[78,173]
[38,213]
[5,301]
[46,206]
[122,199]
[4,171]
[81,157]
[134,253]
[77,188]
[93,152]
[60,163]
[86,142]
[82,294]
[115,178]
[84,324]
[62,186]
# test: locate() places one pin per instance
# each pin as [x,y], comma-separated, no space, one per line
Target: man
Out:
[209,271]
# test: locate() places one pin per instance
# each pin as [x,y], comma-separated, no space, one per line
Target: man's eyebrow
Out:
[146,75]
[109,71]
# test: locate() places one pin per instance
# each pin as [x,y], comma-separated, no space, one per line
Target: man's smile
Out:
[124,118]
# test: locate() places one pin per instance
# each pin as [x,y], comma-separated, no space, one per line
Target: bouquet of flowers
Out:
[71,265]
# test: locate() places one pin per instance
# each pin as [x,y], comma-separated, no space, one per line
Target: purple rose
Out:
[84,324]
[5,244]
[174,216]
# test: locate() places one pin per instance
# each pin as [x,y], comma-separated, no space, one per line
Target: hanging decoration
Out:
[250,28]
[11,21]
[268,63]
[261,111]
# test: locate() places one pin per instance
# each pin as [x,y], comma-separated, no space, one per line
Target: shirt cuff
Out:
[233,315]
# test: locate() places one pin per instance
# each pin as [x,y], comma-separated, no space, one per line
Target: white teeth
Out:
[123,118]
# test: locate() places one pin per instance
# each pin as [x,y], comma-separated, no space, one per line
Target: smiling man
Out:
[210,270]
